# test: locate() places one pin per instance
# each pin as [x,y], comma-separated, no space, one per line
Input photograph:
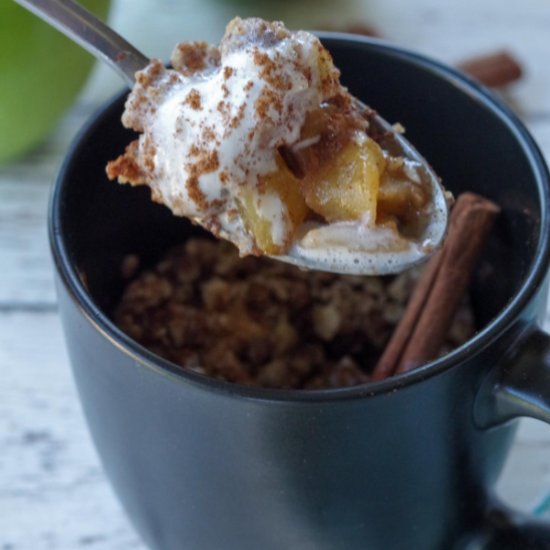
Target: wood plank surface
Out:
[53,493]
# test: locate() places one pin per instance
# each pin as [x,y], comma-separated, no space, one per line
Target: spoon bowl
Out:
[339,247]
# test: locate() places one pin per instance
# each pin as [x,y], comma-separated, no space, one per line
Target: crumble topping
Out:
[260,322]
[194,99]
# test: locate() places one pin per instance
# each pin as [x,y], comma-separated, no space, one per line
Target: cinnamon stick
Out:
[393,352]
[363,29]
[494,70]
[423,328]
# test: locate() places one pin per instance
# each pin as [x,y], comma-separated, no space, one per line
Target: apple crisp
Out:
[257,141]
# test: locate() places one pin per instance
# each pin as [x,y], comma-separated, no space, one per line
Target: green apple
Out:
[41,72]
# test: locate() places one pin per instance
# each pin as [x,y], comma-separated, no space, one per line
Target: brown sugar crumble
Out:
[126,168]
[260,322]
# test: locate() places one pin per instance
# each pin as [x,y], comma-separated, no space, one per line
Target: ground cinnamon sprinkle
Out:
[261,322]
[271,70]
[224,176]
[209,136]
[236,120]
[194,99]
[266,101]
[190,57]
[194,150]
[194,190]
[228,72]
[207,162]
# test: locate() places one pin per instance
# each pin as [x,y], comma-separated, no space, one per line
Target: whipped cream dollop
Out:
[211,126]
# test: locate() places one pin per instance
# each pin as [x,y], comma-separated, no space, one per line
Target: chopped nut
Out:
[326,320]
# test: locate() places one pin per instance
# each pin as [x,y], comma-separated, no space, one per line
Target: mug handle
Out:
[518,386]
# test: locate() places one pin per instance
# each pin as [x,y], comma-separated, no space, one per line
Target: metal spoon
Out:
[325,247]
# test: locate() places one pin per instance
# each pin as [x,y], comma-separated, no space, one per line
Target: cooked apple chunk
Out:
[283,187]
[346,186]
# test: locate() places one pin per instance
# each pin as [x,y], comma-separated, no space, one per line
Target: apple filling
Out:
[336,173]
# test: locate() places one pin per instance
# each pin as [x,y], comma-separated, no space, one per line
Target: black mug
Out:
[406,463]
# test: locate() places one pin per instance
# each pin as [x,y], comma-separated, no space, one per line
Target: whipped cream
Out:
[212,125]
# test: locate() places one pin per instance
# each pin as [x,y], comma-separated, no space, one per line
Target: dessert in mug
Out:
[258,142]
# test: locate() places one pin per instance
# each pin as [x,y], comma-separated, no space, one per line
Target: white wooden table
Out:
[53,494]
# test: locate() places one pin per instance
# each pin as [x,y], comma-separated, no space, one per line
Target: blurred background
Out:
[53,494]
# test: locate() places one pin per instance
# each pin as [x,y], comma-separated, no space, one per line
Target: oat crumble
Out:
[260,322]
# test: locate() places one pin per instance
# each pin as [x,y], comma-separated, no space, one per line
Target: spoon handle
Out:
[88,31]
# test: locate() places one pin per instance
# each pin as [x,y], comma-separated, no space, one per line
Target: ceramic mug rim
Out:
[143,357]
